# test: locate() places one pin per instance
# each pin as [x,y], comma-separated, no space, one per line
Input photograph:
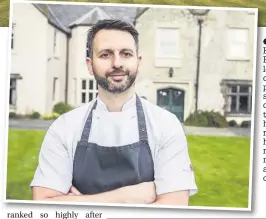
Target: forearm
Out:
[180,198]
[142,193]
[170,202]
[114,196]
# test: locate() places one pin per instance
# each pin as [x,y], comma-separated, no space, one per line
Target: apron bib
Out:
[100,169]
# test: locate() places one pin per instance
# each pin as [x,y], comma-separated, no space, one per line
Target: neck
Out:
[115,102]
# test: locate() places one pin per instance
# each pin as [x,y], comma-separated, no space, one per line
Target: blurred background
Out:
[197,63]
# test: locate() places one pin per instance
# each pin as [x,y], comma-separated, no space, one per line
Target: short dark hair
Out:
[110,25]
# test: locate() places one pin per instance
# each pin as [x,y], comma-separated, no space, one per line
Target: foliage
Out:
[12,115]
[62,108]
[246,124]
[51,116]
[232,123]
[206,119]
[35,115]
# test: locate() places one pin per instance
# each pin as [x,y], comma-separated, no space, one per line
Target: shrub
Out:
[232,123]
[62,108]
[51,116]
[246,124]
[206,119]
[35,115]
[12,115]
[197,119]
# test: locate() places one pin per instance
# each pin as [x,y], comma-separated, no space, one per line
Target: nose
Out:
[117,61]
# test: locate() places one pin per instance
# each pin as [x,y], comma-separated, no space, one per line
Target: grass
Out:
[23,151]
[261,4]
[4,13]
[221,166]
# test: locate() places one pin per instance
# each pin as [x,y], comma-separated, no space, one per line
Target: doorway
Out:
[172,100]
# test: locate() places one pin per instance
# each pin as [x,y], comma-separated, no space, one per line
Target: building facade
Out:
[188,62]
[38,62]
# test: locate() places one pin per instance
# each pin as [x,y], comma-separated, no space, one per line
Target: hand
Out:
[143,193]
[73,191]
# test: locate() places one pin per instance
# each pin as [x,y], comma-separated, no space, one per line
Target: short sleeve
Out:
[173,168]
[54,170]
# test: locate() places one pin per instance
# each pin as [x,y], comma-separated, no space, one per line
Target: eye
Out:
[127,54]
[105,55]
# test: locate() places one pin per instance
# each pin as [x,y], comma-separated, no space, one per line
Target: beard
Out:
[115,86]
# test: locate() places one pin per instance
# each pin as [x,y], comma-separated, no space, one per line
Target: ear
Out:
[139,61]
[89,64]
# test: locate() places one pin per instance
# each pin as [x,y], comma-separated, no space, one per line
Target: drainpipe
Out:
[200,21]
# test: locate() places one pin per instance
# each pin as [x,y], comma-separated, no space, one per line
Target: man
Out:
[119,147]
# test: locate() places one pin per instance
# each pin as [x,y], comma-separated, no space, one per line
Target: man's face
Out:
[115,63]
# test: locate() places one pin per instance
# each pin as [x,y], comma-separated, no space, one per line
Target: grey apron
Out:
[100,169]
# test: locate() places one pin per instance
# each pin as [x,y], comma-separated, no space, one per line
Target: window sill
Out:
[247,115]
[237,58]
[168,57]
[167,62]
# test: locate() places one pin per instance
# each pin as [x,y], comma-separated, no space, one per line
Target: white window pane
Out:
[167,42]
[237,42]
[238,50]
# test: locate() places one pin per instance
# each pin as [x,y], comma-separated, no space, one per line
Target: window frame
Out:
[16,78]
[87,90]
[226,85]
[14,89]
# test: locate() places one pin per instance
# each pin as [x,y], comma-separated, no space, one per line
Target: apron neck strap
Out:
[87,128]
[141,120]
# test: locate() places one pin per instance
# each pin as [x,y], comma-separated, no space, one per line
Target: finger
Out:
[74,190]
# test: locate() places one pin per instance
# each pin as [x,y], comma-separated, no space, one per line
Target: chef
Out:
[118,148]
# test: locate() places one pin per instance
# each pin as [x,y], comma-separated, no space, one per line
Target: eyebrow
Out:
[110,50]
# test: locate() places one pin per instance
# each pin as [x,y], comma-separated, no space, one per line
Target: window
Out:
[89,90]
[238,43]
[13,89]
[56,43]
[239,98]
[167,43]
[12,36]
[54,48]
[12,92]
[55,89]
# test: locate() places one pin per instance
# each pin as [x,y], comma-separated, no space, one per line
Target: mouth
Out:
[117,77]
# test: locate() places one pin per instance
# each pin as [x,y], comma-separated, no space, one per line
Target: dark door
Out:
[172,100]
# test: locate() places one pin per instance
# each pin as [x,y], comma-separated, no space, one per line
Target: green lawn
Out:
[261,4]
[221,167]
[4,13]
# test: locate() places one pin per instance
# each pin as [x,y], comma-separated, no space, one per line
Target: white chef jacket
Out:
[167,141]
